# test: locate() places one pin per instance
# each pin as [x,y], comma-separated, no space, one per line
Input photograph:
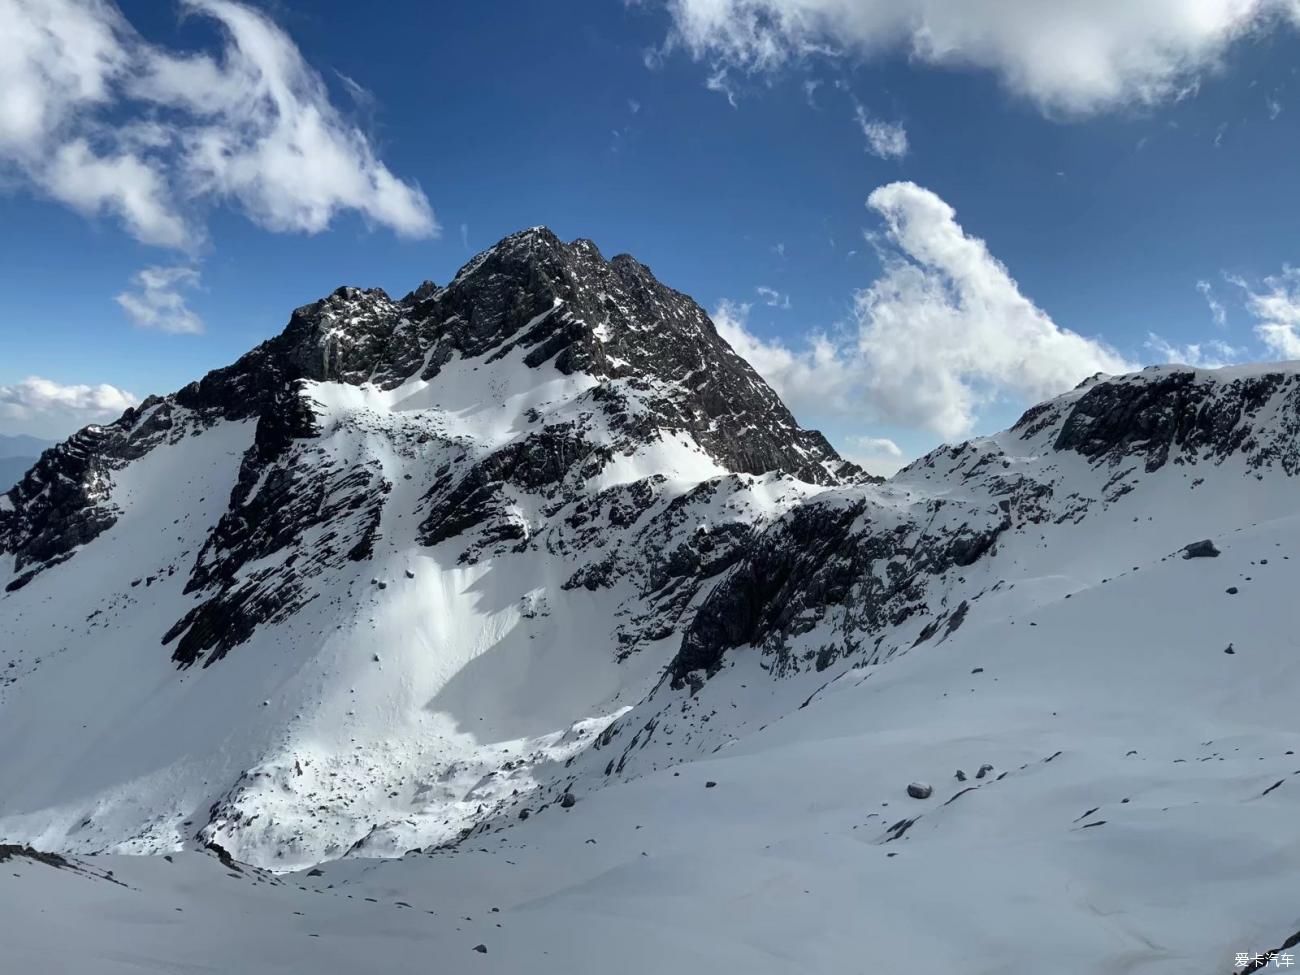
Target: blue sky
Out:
[726,143]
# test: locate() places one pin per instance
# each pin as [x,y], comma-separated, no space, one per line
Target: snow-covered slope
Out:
[524,610]
[351,589]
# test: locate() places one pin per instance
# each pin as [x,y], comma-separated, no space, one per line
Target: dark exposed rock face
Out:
[816,564]
[1186,416]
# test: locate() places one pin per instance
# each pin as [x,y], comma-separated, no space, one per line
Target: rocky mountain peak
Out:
[632,362]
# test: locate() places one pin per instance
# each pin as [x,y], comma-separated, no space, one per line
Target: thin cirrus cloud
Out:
[941,334]
[772,298]
[1067,56]
[1210,354]
[885,140]
[1217,311]
[253,128]
[158,300]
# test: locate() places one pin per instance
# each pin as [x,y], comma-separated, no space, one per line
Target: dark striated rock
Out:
[1200,550]
[1188,415]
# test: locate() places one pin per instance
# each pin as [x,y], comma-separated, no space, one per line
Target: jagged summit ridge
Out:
[655,361]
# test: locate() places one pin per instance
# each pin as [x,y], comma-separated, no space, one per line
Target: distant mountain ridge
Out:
[18,452]
[21,445]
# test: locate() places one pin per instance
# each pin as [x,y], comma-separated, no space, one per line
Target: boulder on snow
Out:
[1203,549]
[961,776]
[985,769]
[919,790]
[568,800]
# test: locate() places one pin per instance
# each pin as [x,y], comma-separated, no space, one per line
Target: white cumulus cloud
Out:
[158,301]
[816,378]
[48,408]
[96,117]
[945,329]
[940,335]
[1074,56]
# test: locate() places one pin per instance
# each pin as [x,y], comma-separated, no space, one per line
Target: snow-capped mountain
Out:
[390,552]
[523,613]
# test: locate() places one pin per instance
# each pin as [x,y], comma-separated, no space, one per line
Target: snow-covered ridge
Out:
[498,570]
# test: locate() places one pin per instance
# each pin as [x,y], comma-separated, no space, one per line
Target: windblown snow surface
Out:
[509,762]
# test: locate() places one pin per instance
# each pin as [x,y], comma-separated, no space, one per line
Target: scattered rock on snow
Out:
[961,776]
[985,769]
[1203,549]
[919,790]
[568,800]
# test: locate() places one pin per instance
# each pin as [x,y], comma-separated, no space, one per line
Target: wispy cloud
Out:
[158,301]
[887,140]
[719,82]
[1275,305]
[1210,354]
[1217,311]
[773,298]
